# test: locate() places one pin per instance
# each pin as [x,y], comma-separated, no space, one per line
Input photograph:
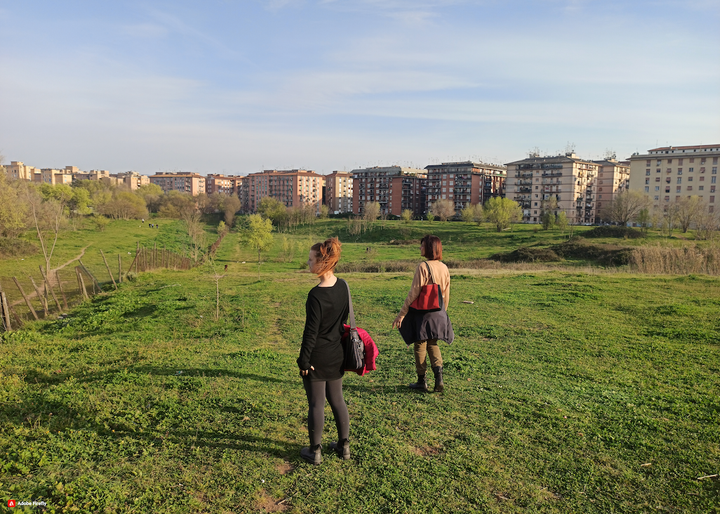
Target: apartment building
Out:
[185,182]
[130,180]
[395,188]
[613,178]
[668,173]
[19,171]
[225,184]
[294,188]
[567,178]
[339,192]
[464,183]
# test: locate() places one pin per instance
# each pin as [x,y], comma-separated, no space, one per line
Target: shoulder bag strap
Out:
[431,273]
[352,312]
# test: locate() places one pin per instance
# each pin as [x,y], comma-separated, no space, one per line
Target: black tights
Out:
[316,392]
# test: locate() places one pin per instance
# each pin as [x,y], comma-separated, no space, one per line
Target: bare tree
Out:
[707,225]
[443,209]
[48,217]
[197,234]
[626,206]
[371,211]
[689,209]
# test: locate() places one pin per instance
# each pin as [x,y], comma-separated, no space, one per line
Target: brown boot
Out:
[341,448]
[420,385]
[439,385]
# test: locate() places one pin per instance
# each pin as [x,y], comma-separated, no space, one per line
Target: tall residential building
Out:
[464,183]
[186,182]
[130,180]
[569,179]
[395,188]
[226,184]
[339,192]
[19,171]
[294,188]
[613,178]
[669,173]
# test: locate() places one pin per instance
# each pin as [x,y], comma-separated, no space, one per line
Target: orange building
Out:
[294,188]
[464,183]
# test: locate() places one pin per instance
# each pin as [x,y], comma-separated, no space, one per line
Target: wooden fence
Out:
[28,298]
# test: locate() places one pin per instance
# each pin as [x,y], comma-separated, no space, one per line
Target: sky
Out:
[238,86]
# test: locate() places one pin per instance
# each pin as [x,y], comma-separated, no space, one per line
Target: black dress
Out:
[326,310]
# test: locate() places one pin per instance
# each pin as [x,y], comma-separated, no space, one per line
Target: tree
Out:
[547,212]
[689,209]
[230,205]
[100,222]
[13,210]
[443,209]
[625,207]
[48,218]
[502,212]
[407,216]
[430,216]
[668,219]
[79,203]
[643,219]
[124,205]
[468,214]
[258,234]
[177,205]
[324,212]
[371,211]
[151,194]
[707,225]
[561,221]
[197,234]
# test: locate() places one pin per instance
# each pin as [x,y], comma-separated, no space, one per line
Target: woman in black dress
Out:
[321,353]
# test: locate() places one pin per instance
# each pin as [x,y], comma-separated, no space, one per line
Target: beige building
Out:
[339,192]
[183,181]
[225,184]
[130,180]
[613,178]
[19,171]
[294,188]
[395,188]
[464,183]
[669,173]
[567,178]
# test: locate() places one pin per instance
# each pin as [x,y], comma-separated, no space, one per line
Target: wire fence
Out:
[44,295]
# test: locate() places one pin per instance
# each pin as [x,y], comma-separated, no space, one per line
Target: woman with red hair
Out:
[321,354]
[424,328]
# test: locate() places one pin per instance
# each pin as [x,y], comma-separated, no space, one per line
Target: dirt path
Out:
[82,253]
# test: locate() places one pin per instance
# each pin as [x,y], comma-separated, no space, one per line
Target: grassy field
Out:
[566,391]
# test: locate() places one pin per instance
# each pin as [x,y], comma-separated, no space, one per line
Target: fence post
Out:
[137,256]
[81,282]
[119,269]
[57,277]
[49,286]
[108,269]
[40,295]
[5,311]
[95,282]
[27,301]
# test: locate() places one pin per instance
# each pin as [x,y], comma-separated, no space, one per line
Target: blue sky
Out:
[237,86]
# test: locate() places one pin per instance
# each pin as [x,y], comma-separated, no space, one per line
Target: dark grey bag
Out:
[353,345]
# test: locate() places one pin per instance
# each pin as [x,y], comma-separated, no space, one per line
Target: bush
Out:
[525,254]
[615,231]
[607,255]
[13,247]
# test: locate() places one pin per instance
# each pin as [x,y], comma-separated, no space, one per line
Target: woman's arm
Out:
[419,279]
[313,315]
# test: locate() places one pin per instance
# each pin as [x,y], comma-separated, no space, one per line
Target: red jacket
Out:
[371,350]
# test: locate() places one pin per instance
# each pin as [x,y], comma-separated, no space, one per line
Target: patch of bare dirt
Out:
[284,468]
[268,504]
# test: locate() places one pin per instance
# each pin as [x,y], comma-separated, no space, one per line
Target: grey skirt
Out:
[424,325]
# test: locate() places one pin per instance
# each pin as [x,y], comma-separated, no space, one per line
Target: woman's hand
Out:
[304,372]
[398,321]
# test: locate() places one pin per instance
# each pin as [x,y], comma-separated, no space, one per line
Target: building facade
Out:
[566,178]
[613,178]
[185,182]
[464,183]
[130,180]
[293,188]
[395,188]
[339,192]
[670,173]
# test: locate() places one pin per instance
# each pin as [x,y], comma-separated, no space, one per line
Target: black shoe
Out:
[420,385]
[342,449]
[439,385]
[312,454]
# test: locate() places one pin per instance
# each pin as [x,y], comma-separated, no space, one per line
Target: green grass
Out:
[565,392]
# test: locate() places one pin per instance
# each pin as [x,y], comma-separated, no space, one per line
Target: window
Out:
[647,189]
[678,189]
[679,180]
[667,189]
[667,198]
[712,180]
[715,159]
[669,170]
[690,179]
[702,170]
[714,171]
[702,179]
[702,161]
[689,188]
[659,162]
[656,198]
[712,199]
[657,170]
[647,172]
[701,188]
[680,161]
[712,189]
[648,162]
[679,171]
[668,179]
[692,160]
[669,161]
